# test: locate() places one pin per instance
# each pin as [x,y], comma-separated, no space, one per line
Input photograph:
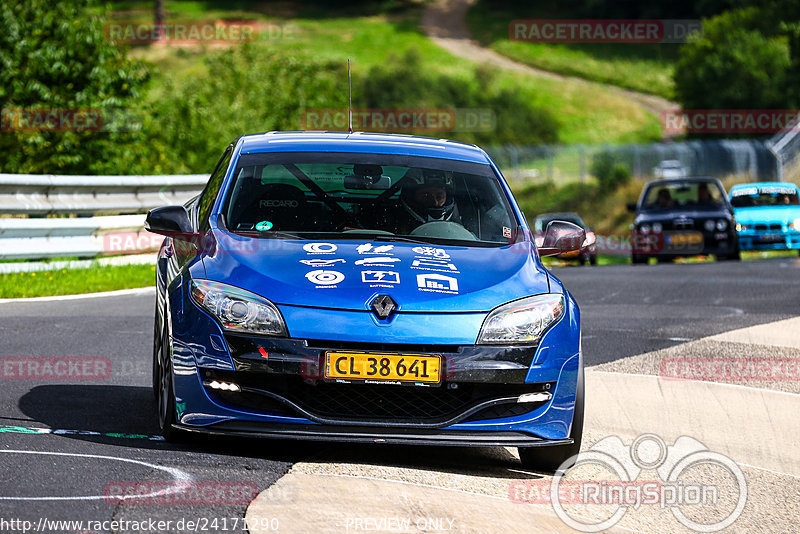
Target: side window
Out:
[209,194]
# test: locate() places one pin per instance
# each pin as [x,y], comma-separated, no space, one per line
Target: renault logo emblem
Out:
[383,306]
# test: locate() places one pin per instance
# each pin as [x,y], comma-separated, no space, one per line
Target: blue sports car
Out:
[767,215]
[365,288]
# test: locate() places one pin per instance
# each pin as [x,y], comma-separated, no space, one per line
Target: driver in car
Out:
[427,196]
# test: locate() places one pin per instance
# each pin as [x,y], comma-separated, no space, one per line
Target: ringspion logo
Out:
[610,480]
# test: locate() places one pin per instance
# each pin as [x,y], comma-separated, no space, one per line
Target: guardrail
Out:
[34,194]
[785,146]
[124,199]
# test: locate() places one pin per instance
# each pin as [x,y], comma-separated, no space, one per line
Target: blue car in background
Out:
[365,288]
[767,215]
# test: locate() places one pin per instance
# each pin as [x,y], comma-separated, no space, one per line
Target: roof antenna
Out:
[349,98]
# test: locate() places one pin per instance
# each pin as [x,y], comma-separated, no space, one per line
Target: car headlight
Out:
[657,227]
[722,225]
[796,224]
[644,228]
[522,321]
[238,310]
[710,224]
[740,227]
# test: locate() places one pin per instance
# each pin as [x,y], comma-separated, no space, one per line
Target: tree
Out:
[54,56]
[734,64]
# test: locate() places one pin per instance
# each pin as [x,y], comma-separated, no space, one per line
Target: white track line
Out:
[117,293]
[179,477]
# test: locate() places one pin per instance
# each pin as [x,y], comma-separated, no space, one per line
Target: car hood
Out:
[347,275]
[783,214]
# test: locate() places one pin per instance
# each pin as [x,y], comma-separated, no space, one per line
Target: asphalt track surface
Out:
[626,310]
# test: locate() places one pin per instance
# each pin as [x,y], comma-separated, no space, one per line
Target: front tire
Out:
[639,259]
[156,352]
[549,459]
[165,394]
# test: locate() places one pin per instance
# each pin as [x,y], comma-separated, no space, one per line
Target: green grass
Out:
[74,281]
[585,115]
[647,68]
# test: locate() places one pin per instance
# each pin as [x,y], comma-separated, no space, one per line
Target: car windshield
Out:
[750,197]
[683,195]
[349,196]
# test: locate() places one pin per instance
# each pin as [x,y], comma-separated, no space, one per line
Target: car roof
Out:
[668,181]
[764,184]
[557,214]
[361,142]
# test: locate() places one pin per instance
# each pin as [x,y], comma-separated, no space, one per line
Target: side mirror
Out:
[631,207]
[169,221]
[561,237]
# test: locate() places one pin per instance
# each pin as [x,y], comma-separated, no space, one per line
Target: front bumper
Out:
[676,243]
[355,434]
[781,239]
[284,395]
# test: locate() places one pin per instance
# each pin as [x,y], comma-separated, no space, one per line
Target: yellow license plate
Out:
[383,367]
[688,238]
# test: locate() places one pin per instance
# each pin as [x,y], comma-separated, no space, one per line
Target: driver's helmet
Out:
[428,195]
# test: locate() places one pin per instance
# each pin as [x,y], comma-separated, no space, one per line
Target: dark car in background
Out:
[683,217]
[587,253]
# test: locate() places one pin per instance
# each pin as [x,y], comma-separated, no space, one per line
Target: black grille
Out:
[368,402]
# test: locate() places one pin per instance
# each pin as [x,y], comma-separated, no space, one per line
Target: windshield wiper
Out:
[398,239]
[269,235]
[385,237]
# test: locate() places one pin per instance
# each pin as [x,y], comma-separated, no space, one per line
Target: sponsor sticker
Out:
[433,264]
[384,261]
[320,248]
[367,248]
[431,251]
[320,262]
[437,283]
[324,278]
[380,278]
